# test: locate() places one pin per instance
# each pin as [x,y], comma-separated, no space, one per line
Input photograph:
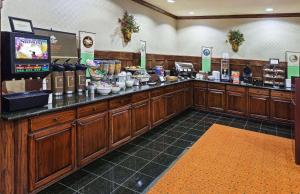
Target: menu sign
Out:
[63,44]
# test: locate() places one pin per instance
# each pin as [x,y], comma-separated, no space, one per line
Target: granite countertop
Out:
[75,100]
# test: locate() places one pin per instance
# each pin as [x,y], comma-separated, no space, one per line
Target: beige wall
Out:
[99,16]
[265,38]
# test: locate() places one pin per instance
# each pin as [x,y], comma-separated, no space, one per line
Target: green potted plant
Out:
[128,26]
[236,39]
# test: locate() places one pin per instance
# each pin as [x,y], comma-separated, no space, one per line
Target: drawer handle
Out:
[55,119]
[94,109]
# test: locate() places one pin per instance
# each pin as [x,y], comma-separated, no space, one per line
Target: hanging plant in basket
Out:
[128,26]
[236,39]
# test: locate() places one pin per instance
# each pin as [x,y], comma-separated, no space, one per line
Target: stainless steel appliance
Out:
[185,70]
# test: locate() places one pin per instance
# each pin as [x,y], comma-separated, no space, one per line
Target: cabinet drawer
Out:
[200,84]
[257,91]
[236,89]
[216,86]
[170,89]
[52,119]
[92,109]
[157,92]
[140,97]
[281,94]
[119,102]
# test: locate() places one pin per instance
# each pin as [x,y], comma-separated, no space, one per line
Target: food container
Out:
[57,79]
[118,67]
[129,83]
[104,91]
[69,78]
[80,78]
[115,89]
[112,66]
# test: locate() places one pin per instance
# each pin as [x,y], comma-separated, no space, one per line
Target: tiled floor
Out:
[133,167]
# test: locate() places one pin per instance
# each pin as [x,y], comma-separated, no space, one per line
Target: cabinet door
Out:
[258,106]
[188,98]
[120,126]
[200,97]
[140,117]
[216,100]
[180,101]
[157,110]
[236,103]
[51,154]
[281,110]
[92,137]
[170,106]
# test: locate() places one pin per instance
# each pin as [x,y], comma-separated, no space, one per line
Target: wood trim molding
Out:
[155,8]
[274,15]
[237,16]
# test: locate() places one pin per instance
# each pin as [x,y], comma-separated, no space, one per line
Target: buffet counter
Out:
[70,101]
[90,126]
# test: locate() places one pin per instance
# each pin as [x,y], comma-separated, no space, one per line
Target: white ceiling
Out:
[226,7]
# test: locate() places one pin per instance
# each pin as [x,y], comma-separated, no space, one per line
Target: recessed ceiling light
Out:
[191,13]
[171,1]
[269,9]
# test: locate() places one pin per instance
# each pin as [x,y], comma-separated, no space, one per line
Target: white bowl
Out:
[122,85]
[104,91]
[115,89]
[129,83]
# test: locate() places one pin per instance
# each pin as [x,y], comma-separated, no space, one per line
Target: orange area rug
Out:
[230,160]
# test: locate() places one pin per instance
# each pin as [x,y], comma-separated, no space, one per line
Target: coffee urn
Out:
[57,79]
[69,78]
[80,78]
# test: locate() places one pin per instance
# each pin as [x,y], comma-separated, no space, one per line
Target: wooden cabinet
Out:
[171,105]
[236,100]
[281,106]
[92,137]
[188,97]
[140,117]
[180,101]
[200,97]
[120,126]
[157,110]
[281,110]
[259,103]
[216,100]
[51,154]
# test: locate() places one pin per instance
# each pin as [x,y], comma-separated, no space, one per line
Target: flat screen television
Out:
[25,55]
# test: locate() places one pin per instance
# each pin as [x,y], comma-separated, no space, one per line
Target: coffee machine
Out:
[185,70]
[25,62]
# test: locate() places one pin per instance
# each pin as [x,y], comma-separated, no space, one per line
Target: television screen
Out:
[30,48]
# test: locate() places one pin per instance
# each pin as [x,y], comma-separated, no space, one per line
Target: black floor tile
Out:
[151,136]
[153,169]
[134,163]
[146,154]
[194,132]
[164,159]
[252,128]
[237,125]
[118,174]
[99,167]
[174,134]
[129,149]
[123,190]
[140,141]
[180,129]
[269,132]
[286,135]
[115,157]
[166,140]
[78,180]
[99,186]
[188,137]
[157,146]
[138,182]
[267,126]
[182,143]
[174,151]
[57,189]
